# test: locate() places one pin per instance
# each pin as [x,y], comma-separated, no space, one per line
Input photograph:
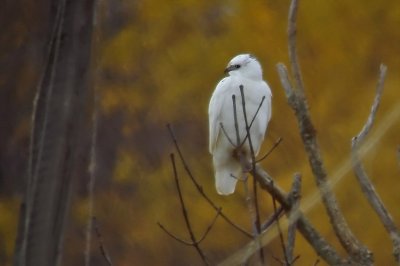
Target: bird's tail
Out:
[226,178]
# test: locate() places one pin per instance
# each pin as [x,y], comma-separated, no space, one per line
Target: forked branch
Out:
[296,99]
[194,242]
[362,176]
[199,187]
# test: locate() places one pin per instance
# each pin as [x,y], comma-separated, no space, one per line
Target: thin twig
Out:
[185,214]
[235,120]
[294,196]
[253,162]
[281,239]
[256,113]
[200,188]
[103,250]
[362,177]
[226,134]
[275,216]
[252,120]
[187,243]
[210,226]
[276,144]
[292,30]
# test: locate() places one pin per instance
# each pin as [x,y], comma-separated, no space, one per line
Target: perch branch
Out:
[362,177]
[319,244]
[200,188]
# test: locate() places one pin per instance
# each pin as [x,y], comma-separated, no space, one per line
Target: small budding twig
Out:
[362,177]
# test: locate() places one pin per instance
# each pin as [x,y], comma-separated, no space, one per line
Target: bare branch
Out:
[297,101]
[209,227]
[187,243]
[276,144]
[320,245]
[226,134]
[292,30]
[368,125]
[276,215]
[256,113]
[282,240]
[294,197]
[200,188]
[185,214]
[252,120]
[236,120]
[362,177]
[253,162]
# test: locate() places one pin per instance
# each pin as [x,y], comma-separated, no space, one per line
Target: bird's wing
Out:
[214,111]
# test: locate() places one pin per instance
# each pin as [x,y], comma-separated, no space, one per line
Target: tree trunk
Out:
[59,110]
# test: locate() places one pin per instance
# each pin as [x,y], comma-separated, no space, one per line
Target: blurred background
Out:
[157,62]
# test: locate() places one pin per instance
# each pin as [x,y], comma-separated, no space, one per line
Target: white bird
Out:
[243,70]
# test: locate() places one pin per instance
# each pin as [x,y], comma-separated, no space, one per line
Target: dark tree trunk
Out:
[60,107]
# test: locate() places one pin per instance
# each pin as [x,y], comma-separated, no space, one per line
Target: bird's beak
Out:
[229,68]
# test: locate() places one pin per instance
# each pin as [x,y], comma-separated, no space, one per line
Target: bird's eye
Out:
[237,66]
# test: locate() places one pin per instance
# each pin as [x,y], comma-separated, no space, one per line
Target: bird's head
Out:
[245,65]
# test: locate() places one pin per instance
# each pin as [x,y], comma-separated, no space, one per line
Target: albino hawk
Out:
[243,70]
